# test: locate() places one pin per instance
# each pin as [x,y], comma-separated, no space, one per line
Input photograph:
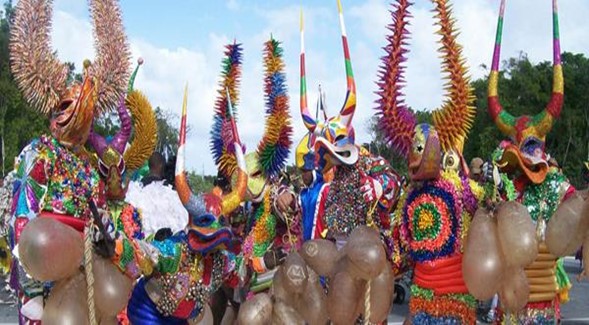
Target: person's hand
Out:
[284,202]
[274,258]
[371,189]
[581,276]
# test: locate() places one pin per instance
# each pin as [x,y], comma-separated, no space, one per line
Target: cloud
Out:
[232,5]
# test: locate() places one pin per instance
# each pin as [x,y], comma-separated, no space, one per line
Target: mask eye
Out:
[203,220]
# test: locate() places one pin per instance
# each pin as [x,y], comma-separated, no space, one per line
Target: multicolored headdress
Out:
[528,133]
[423,144]
[113,160]
[43,79]
[335,136]
[274,147]
[207,228]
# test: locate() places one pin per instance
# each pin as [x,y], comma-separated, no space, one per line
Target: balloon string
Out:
[367,306]
[89,273]
[369,219]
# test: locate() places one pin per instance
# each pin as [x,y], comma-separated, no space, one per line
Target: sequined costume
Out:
[436,208]
[539,187]
[181,272]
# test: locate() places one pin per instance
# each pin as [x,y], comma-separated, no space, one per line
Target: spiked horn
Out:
[309,121]
[542,121]
[97,142]
[112,64]
[396,120]
[454,120]
[37,71]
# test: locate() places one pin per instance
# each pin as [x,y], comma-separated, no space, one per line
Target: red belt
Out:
[443,276]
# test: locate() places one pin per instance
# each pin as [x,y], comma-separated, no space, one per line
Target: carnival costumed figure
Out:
[545,193]
[364,187]
[182,271]
[435,210]
[56,189]
[115,161]
[269,232]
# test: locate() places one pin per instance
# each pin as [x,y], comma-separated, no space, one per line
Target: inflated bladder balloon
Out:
[482,264]
[381,295]
[279,290]
[295,273]
[41,249]
[367,258]
[342,298]
[67,303]
[285,315]
[515,290]
[364,233]
[320,255]
[111,287]
[256,311]
[517,234]
[108,320]
[312,305]
[568,225]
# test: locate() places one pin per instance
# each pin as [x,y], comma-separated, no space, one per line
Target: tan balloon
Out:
[567,227]
[517,234]
[112,288]
[365,252]
[381,295]
[42,250]
[515,291]
[312,305]
[279,290]
[256,311]
[482,264]
[285,315]
[295,273]
[67,303]
[108,320]
[207,317]
[343,297]
[320,255]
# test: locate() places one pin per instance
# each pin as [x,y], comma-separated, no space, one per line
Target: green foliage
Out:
[200,183]
[525,88]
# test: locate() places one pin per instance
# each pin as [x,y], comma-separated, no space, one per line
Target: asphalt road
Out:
[574,312]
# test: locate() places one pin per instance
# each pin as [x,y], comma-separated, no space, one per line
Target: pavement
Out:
[574,313]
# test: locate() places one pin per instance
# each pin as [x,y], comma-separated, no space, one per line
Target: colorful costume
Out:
[115,161]
[52,180]
[539,187]
[266,228]
[435,210]
[182,271]
[364,187]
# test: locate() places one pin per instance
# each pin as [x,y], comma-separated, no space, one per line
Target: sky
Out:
[182,43]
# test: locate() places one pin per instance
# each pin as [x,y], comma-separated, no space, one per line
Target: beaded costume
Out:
[52,180]
[539,187]
[182,271]
[364,187]
[435,210]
